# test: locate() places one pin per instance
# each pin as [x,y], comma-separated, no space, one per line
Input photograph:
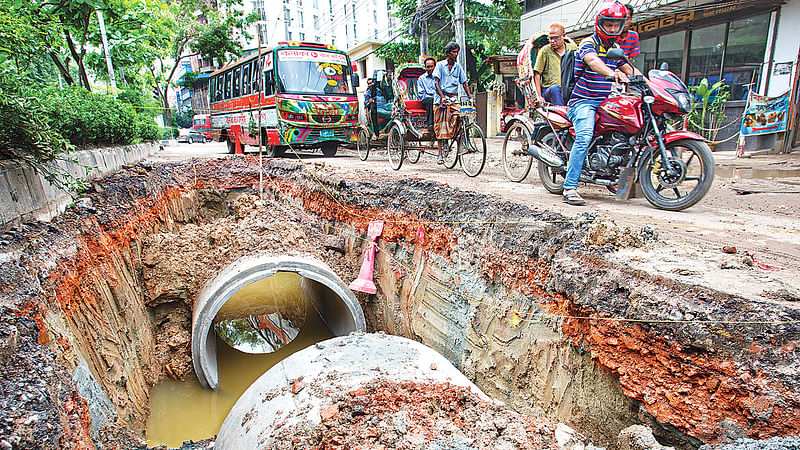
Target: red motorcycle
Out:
[632,141]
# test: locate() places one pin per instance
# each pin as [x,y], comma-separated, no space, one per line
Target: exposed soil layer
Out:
[390,415]
[113,283]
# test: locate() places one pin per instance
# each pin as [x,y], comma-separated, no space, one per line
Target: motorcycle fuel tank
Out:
[619,114]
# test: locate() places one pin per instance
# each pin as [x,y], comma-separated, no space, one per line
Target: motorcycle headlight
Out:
[683,99]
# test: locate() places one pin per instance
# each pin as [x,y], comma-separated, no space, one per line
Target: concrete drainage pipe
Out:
[340,364]
[332,298]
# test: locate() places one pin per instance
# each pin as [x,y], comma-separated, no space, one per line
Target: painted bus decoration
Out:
[308,99]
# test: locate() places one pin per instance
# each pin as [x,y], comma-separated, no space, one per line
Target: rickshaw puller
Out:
[448,75]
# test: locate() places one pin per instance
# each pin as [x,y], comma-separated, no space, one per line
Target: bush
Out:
[24,131]
[169,133]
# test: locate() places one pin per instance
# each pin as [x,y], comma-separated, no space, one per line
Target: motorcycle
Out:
[632,142]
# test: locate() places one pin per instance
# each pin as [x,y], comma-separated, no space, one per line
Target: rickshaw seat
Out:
[415,107]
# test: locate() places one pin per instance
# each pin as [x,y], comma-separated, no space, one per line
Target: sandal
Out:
[440,160]
[573,198]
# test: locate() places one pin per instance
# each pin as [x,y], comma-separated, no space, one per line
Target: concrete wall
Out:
[26,195]
[786,47]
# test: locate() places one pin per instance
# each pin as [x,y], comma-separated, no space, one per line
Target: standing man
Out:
[547,69]
[630,39]
[592,88]
[448,75]
[426,89]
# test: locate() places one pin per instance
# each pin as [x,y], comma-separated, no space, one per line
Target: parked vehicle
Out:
[191,136]
[632,142]
[305,93]
[201,124]
[398,120]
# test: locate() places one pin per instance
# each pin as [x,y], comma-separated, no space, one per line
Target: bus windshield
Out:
[313,72]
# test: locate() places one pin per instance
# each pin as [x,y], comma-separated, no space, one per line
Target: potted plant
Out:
[707,119]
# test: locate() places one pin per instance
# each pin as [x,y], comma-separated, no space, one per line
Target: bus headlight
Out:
[297,117]
[351,117]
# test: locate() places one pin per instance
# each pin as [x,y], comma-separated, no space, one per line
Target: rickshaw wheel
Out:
[451,151]
[472,153]
[395,147]
[413,154]
[362,144]
[517,161]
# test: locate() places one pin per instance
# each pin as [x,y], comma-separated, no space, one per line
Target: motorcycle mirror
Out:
[664,66]
[617,54]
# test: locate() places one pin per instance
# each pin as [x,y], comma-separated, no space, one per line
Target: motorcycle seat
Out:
[560,110]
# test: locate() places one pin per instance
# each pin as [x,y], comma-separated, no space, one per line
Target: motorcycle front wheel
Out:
[693,166]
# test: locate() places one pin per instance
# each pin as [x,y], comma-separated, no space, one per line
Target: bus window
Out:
[227,94]
[269,82]
[220,87]
[236,81]
[212,85]
[305,72]
[254,78]
[246,79]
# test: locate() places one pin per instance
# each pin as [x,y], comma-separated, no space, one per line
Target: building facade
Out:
[748,44]
[342,23]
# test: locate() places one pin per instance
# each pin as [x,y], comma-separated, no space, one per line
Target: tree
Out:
[489,29]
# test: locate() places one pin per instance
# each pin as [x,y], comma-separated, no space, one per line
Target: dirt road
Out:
[763,224]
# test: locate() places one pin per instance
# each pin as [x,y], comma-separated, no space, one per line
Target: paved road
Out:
[764,224]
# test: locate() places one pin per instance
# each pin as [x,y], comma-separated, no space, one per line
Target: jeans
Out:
[553,95]
[582,116]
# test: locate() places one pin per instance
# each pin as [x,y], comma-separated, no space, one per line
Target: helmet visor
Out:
[611,26]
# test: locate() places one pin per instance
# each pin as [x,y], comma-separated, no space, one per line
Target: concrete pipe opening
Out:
[327,294]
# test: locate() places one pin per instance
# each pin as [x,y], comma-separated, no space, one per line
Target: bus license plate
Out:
[326,133]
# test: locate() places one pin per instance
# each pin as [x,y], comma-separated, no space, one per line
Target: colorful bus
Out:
[201,124]
[308,100]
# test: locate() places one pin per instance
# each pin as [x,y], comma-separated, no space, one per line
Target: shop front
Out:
[750,45]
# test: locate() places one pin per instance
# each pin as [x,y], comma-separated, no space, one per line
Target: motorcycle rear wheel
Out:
[695,165]
[552,177]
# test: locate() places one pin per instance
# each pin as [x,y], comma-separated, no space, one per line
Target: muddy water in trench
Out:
[180,411]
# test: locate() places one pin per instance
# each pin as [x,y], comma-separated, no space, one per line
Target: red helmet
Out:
[609,15]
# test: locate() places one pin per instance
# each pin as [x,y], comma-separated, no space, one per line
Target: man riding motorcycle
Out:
[592,88]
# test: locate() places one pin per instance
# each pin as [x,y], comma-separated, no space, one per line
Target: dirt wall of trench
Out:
[512,296]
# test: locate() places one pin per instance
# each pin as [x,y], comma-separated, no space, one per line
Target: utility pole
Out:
[108,54]
[423,30]
[460,39]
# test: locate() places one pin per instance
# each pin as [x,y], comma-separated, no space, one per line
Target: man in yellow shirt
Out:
[547,69]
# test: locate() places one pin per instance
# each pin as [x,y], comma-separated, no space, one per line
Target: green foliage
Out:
[24,131]
[706,120]
[182,119]
[169,133]
[490,29]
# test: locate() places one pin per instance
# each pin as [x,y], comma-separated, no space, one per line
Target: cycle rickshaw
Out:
[404,129]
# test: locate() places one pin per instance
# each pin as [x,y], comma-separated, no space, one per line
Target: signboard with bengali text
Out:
[312,56]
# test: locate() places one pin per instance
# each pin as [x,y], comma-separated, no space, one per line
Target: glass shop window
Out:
[744,57]
[670,50]
[705,54]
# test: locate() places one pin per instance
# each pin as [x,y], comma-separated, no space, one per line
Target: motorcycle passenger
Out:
[547,69]
[448,75]
[630,39]
[426,89]
[591,88]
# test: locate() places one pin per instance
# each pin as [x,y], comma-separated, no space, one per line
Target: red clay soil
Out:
[389,415]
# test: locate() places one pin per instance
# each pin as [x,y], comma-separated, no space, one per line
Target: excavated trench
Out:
[97,306]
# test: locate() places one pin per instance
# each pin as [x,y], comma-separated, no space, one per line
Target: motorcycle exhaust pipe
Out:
[545,154]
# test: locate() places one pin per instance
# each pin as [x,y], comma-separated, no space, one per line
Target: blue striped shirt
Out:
[449,80]
[591,85]
[630,45]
